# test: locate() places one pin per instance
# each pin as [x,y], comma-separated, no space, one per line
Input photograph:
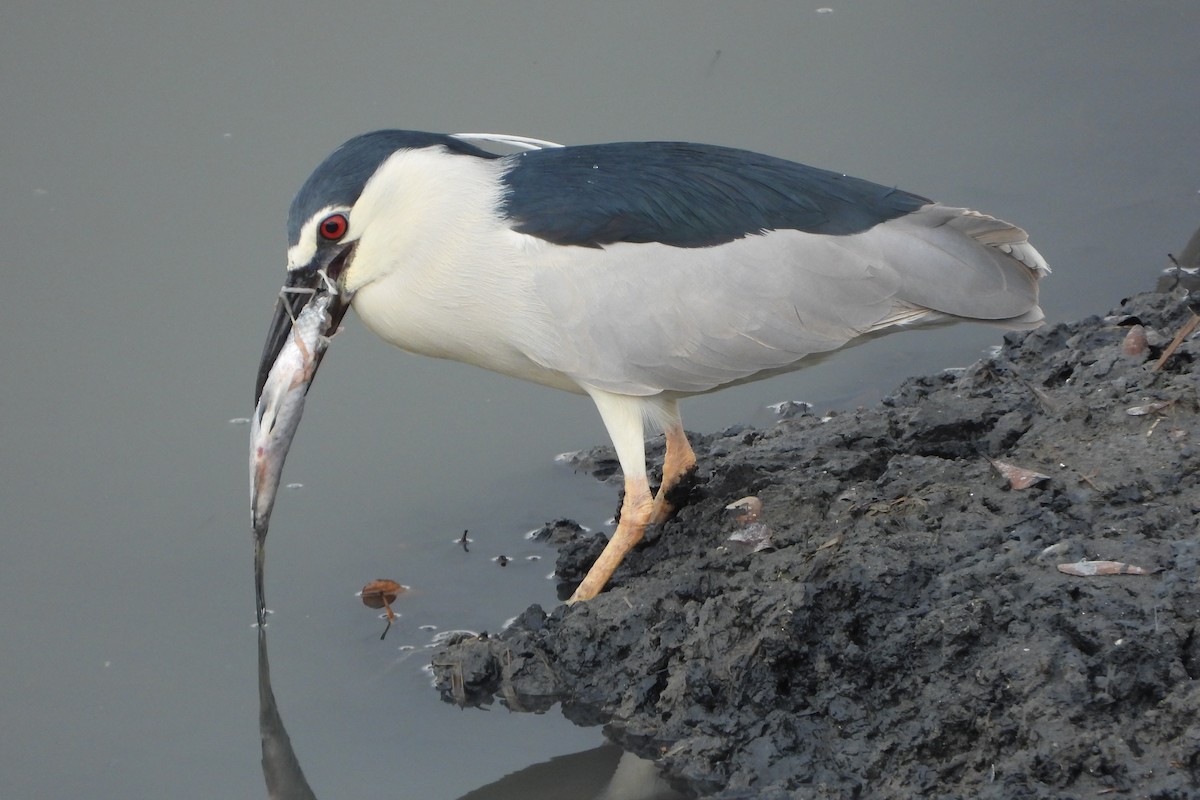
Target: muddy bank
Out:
[896,623]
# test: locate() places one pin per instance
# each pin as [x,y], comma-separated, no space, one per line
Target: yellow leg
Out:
[623,417]
[677,462]
[635,515]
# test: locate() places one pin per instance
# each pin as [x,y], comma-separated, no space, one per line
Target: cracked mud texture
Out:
[909,634]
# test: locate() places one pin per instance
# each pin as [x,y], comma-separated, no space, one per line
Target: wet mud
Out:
[896,621]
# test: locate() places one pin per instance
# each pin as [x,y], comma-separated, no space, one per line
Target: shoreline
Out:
[897,621]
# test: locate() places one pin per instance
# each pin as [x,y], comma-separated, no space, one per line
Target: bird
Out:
[635,273]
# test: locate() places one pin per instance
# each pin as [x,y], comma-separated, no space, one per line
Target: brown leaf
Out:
[1018,477]
[380,593]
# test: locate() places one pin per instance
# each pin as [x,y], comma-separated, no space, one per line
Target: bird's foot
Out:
[635,517]
[672,496]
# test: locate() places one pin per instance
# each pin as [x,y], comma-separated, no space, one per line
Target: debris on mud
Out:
[909,632]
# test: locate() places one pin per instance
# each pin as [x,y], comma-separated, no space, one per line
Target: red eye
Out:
[334,227]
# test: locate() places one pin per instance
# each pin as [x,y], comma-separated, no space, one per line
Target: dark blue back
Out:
[687,195]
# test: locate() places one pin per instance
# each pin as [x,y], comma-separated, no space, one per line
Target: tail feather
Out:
[1006,238]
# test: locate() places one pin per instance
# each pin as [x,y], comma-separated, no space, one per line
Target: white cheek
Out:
[384,251]
[302,253]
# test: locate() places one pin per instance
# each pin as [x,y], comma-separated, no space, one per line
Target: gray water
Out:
[148,152]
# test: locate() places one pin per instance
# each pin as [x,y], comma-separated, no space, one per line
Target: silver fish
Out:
[300,347]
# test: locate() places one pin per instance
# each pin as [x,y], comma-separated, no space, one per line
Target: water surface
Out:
[150,151]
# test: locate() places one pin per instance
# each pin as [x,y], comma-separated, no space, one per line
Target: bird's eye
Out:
[334,227]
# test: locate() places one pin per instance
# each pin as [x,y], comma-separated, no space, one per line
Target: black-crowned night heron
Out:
[636,273]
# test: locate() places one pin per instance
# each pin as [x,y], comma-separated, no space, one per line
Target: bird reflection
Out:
[574,775]
[632,778]
[285,779]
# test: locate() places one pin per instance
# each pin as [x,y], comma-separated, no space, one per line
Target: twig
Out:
[1184,332]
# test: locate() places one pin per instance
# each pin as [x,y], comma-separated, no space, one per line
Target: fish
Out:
[277,413]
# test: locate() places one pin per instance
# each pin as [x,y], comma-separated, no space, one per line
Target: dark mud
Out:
[906,631]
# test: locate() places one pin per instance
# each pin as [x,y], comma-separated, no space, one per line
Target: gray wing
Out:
[646,318]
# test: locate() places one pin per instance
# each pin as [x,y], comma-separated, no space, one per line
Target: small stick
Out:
[1184,332]
[391,617]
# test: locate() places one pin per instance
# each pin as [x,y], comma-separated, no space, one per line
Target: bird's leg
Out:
[639,509]
[677,462]
[636,510]
[622,417]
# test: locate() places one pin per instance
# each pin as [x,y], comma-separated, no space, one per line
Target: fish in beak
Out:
[308,314]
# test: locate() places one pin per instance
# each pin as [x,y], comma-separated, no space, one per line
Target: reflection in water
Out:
[637,779]
[285,779]
[575,775]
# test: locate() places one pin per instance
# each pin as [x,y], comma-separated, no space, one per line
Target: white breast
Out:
[437,272]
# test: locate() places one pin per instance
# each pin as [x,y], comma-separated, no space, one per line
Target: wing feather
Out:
[760,304]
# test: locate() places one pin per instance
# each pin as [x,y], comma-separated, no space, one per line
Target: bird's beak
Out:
[308,313]
[301,288]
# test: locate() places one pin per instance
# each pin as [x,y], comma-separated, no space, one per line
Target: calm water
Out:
[149,152]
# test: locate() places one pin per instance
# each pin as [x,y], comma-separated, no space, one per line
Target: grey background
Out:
[148,152]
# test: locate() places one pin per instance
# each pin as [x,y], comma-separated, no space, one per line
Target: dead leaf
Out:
[834,542]
[755,534]
[1056,549]
[1087,569]
[381,594]
[1018,477]
[750,530]
[1149,408]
